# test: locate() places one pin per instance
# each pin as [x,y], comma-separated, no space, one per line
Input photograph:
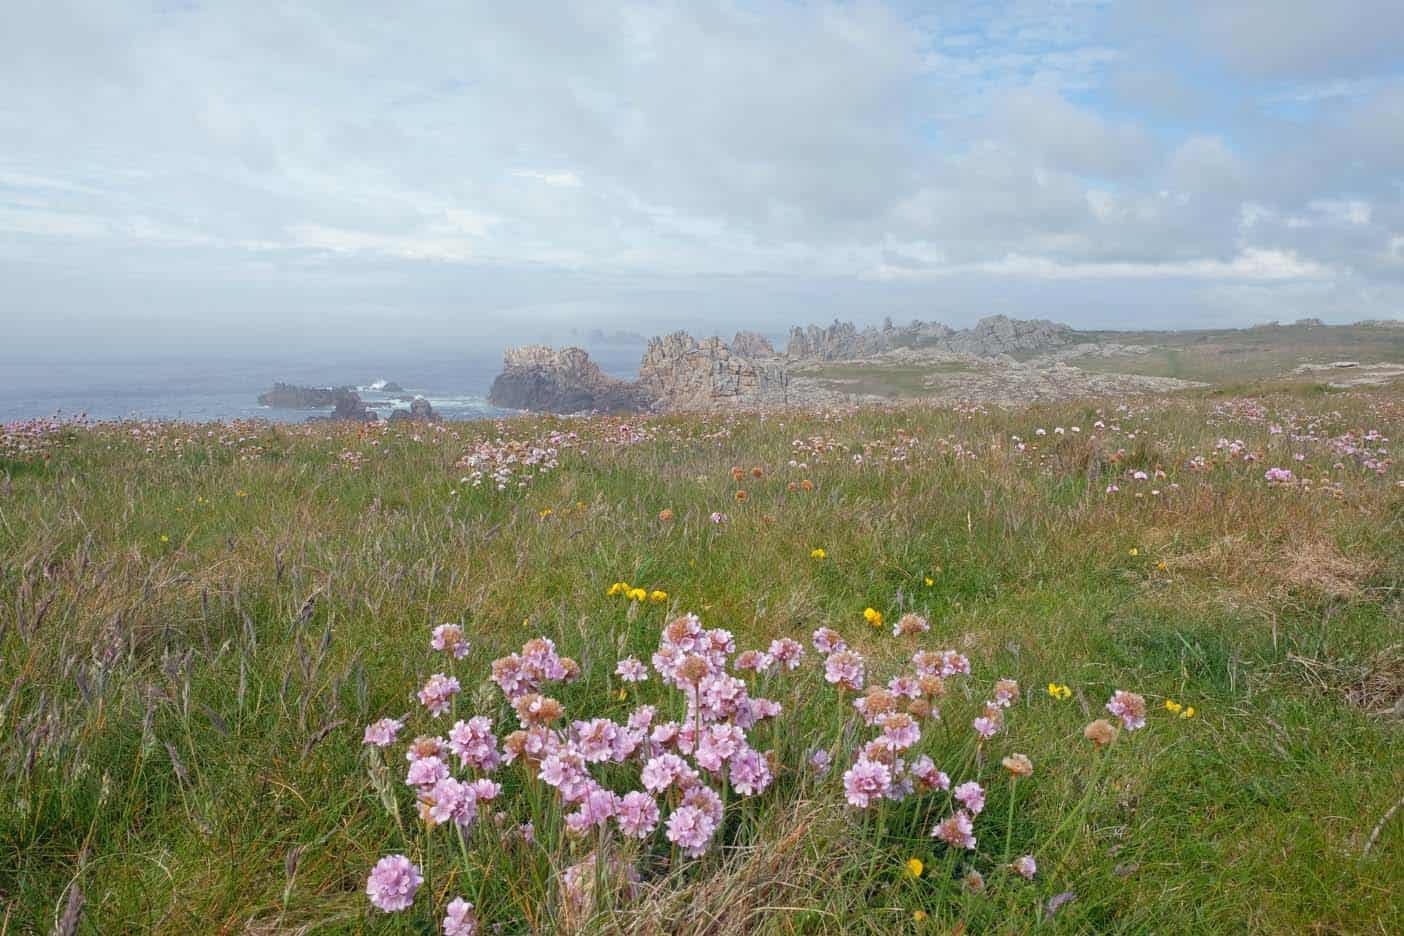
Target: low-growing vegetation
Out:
[1102,667]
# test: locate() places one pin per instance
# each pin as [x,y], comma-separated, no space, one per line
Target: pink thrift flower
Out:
[750,774]
[827,640]
[637,814]
[690,829]
[460,920]
[392,883]
[1128,707]
[820,761]
[1026,867]
[474,743]
[866,781]
[449,639]
[631,670]
[382,733]
[437,694]
[786,652]
[426,773]
[844,668]
[928,776]
[972,796]
[956,830]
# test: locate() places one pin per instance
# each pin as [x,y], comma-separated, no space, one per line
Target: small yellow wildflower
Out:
[1188,712]
[1162,565]
[165,538]
[241,493]
[623,694]
[618,588]
[919,915]
[657,596]
[1172,706]
[818,553]
[929,581]
[1133,551]
[637,594]
[546,512]
[915,867]
[1059,692]
[872,616]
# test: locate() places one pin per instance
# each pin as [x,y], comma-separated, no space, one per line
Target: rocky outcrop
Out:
[290,396]
[566,381]
[1000,334]
[751,344]
[419,411]
[991,337]
[682,373]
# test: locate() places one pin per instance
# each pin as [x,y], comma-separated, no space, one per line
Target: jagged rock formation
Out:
[420,410]
[751,344]
[291,396]
[537,378]
[991,337]
[680,372]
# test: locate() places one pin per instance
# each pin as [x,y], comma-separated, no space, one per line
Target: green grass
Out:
[182,716]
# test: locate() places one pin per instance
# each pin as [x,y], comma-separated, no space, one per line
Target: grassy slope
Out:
[171,718]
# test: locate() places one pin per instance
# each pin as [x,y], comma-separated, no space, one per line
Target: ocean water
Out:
[206,387]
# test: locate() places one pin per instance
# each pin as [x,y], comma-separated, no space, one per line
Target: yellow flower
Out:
[1059,692]
[1188,712]
[546,512]
[872,616]
[1172,706]
[818,553]
[637,594]
[623,694]
[165,538]
[915,867]
[618,588]
[1133,551]
[657,597]
[1162,565]
[929,581]
[918,915]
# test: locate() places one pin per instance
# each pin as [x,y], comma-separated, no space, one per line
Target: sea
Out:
[207,387]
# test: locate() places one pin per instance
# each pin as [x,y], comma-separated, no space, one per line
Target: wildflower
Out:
[786,652]
[618,588]
[449,639]
[956,830]
[972,796]
[899,730]
[919,916]
[665,515]
[1058,692]
[636,594]
[474,743]
[165,538]
[1006,693]
[449,800]
[820,760]
[718,517]
[1100,732]
[1025,867]
[929,581]
[1133,551]
[750,772]
[1278,475]
[460,920]
[426,772]
[928,776]
[438,692]
[914,867]
[818,553]
[872,616]
[974,881]
[630,669]
[1173,707]
[1018,765]
[545,512]
[382,733]
[867,780]
[806,485]
[1130,708]
[637,814]
[909,624]
[691,829]
[988,724]
[737,473]
[392,883]
[657,596]
[1188,712]
[844,668]
[741,497]
[827,640]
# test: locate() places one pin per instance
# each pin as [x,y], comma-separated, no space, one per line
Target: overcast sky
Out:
[207,174]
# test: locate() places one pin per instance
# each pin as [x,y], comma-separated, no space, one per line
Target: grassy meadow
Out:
[197,623]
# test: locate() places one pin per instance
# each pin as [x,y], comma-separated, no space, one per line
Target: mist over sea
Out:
[209,386]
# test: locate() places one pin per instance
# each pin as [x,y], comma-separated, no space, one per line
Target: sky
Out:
[183,175]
